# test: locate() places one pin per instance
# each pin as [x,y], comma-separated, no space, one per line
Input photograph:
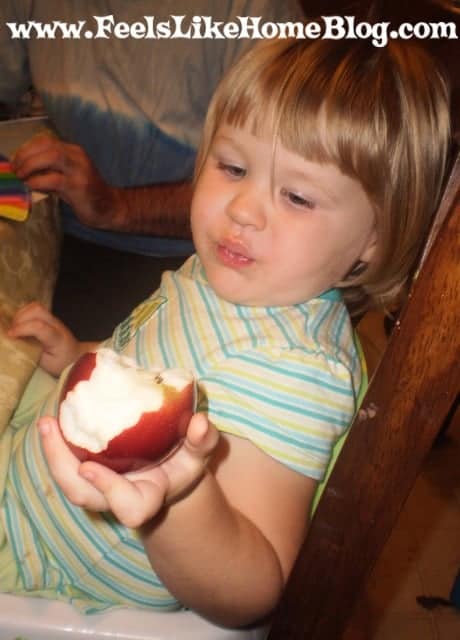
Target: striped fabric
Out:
[284,377]
[61,551]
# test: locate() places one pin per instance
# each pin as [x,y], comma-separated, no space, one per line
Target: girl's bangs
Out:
[311,108]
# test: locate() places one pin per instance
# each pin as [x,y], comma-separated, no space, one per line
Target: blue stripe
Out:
[283,327]
[188,328]
[212,314]
[268,399]
[162,343]
[243,314]
[87,529]
[333,295]
[16,541]
[318,321]
[300,441]
[299,372]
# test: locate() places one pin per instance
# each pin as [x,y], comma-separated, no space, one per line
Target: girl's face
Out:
[276,230]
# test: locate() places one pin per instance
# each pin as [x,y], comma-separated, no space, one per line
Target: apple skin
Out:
[156,434]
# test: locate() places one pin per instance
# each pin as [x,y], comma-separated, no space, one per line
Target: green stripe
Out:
[269,400]
[316,377]
[231,416]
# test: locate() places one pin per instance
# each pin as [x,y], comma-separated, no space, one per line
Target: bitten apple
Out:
[122,416]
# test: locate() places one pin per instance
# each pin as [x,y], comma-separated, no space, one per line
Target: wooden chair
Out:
[415,385]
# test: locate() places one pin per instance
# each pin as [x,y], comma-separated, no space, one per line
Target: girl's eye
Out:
[231,169]
[297,200]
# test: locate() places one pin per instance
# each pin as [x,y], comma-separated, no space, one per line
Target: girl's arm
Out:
[222,537]
[227,548]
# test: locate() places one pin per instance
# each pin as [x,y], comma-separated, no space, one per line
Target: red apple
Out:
[122,416]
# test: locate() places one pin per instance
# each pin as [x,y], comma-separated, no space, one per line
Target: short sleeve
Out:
[291,404]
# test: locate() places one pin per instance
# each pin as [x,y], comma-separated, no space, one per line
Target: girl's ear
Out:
[369,250]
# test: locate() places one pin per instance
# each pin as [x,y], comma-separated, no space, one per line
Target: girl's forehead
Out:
[264,148]
[311,146]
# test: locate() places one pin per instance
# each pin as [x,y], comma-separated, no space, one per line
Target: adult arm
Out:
[47,164]
[162,209]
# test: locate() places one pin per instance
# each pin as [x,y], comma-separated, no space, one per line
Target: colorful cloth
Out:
[14,194]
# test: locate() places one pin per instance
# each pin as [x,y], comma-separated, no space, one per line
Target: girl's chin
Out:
[228,287]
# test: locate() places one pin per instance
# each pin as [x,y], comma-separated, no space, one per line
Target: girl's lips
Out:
[233,255]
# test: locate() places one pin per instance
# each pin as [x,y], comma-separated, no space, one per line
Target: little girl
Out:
[319,170]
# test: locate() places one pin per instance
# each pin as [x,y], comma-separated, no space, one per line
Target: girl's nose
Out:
[247,209]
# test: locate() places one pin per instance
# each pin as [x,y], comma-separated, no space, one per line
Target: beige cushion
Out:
[29,256]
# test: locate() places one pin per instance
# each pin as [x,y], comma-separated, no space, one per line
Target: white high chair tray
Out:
[23,618]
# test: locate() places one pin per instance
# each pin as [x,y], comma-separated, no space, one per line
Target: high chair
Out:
[409,396]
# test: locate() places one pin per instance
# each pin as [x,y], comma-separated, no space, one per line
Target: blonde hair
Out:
[381,115]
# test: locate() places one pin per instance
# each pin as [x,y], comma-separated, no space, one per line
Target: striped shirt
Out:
[286,378]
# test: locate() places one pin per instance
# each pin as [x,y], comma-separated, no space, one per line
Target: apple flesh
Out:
[122,416]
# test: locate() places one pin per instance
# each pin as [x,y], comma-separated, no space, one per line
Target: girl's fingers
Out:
[136,497]
[64,467]
[202,437]
[35,311]
[132,501]
[31,309]
[187,465]
[39,329]
[32,318]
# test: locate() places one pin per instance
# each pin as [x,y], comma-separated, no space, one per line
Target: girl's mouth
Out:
[233,255]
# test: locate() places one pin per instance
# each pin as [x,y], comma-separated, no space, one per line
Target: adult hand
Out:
[134,497]
[60,346]
[47,164]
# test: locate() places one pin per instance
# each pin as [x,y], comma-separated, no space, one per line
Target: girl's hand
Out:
[135,497]
[60,347]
